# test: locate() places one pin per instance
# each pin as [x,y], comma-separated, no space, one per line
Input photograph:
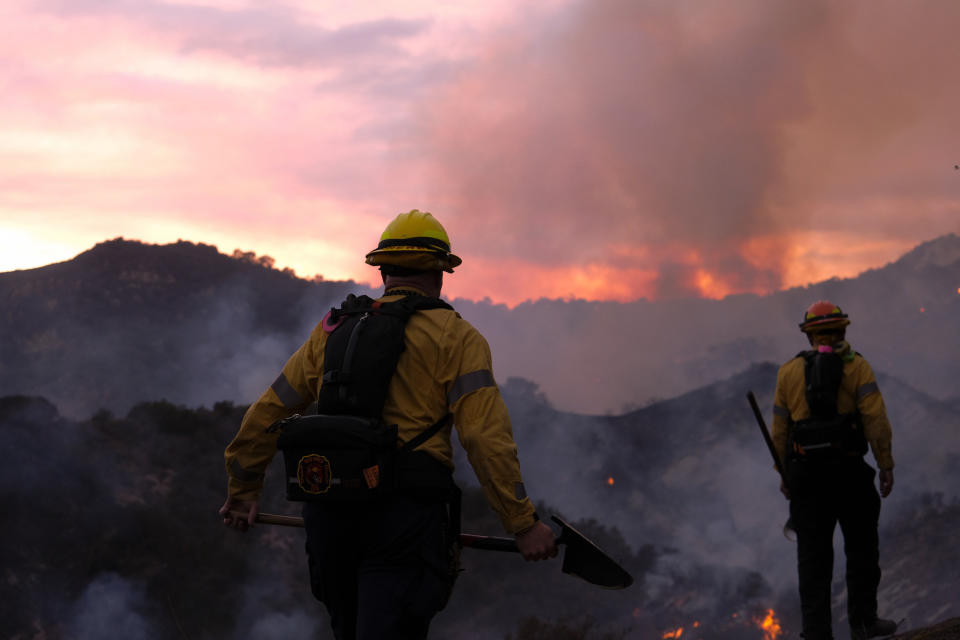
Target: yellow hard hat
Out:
[415,240]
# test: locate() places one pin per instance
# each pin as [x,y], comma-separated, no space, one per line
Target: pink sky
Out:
[604,150]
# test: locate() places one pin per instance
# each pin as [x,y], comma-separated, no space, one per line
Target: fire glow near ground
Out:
[768,624]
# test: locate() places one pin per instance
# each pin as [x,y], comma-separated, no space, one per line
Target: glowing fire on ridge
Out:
[676,633]
[610,481]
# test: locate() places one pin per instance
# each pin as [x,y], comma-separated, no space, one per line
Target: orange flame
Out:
[676,633]
[610,481]
[770,625]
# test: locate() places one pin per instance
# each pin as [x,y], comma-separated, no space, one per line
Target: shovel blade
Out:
[586,560]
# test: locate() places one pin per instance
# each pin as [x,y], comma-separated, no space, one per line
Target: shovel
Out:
[581,558]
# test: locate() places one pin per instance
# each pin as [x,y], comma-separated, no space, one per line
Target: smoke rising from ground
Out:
[111,607]
[691,472]
[188,324]
[670,146]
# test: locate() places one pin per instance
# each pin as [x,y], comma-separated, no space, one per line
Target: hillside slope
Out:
[126,321]
[120,512]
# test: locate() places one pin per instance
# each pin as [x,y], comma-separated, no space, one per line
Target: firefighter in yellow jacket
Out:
[827,412]
[382,568]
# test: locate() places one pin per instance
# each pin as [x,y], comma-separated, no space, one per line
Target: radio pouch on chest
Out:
[347,452]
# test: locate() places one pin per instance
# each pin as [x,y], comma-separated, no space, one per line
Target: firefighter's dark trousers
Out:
[823,494]
[382,569]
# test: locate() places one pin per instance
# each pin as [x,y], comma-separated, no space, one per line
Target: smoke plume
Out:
[666,149]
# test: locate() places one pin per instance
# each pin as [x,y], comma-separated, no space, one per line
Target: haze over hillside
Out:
[606,356]
[682,492]
[682,489]
[126,321]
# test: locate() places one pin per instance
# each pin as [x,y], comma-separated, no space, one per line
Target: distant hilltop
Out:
[939,252]
[92,331]
[176,254]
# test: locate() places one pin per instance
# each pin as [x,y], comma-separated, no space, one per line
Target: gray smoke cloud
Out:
[625,124]
[665,136]
[112,607]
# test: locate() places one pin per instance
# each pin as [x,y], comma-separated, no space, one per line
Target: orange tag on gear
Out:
[372,476]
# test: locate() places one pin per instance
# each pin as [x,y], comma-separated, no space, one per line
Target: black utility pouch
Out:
[337,458]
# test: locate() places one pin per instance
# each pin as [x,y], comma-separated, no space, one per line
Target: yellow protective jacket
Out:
[858,392]
[445,367]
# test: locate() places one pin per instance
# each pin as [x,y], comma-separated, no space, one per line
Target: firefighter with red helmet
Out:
[384,567]
[827,413]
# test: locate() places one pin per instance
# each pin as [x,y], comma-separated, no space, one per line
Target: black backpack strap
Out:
[423,303]
[426,434]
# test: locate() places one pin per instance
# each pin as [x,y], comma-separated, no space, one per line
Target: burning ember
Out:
[676,633]
[770,625]
[764,622]
[610,481]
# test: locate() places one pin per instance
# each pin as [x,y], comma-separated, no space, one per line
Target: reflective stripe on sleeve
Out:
[468,383]
[287,394]
[867,389]
[519,491]
[243,475]
[780,411]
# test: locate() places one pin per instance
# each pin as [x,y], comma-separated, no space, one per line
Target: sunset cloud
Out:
[269,35]
[602,150]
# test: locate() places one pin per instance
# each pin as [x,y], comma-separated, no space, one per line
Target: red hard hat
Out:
[823,315]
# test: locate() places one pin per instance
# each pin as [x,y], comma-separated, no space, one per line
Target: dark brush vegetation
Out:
[122,510]
[130,504]
[110,525]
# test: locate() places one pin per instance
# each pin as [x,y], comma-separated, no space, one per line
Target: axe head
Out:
[586,560]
